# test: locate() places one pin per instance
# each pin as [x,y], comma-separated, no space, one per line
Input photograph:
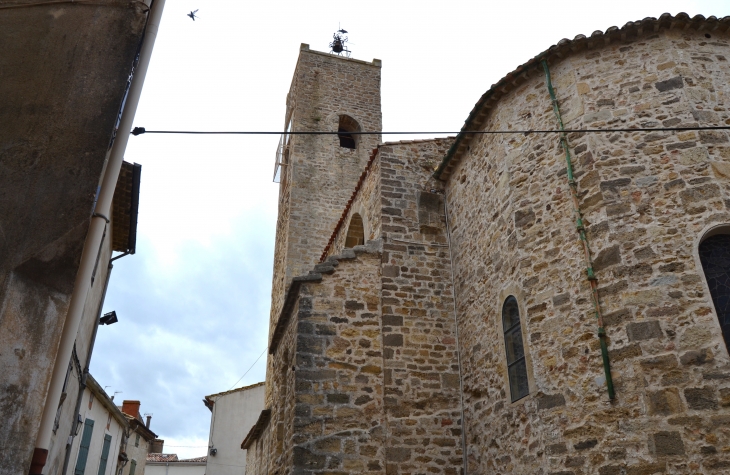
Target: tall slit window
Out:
[715,259]
[516,365]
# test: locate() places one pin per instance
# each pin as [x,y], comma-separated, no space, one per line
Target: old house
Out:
[502,302]
[71,74]
[140,440]
[103,432]
[233,413]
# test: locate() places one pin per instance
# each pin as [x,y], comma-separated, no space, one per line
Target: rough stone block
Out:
[338,398]
[629,351]
[664,402]
[305,459]
[556,449]
[550,401]
[669,84]
[392,320]
[697,357]
[397,454]
[660,362]
[701,398]
[586,444]
[640,331]
[393,339]
[666,443]
[450,380]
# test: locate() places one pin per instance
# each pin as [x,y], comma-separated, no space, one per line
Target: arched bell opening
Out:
[345,129]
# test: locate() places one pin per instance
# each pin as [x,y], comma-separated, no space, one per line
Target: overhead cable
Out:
[142,130]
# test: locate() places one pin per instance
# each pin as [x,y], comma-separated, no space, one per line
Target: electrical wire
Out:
[249,369]
[142,130]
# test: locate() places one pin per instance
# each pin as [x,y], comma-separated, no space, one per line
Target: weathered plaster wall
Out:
[57,449]
[62,77]
[647,197]
[234,413]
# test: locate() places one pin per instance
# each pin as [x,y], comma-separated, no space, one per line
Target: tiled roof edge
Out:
[564,48]
[355,192]
[242,388]
[257,429]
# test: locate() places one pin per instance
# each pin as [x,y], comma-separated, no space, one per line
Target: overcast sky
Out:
[193,303]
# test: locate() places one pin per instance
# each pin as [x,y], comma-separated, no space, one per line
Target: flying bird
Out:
[192,14]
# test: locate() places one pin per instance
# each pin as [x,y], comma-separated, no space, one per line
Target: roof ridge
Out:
[242,388]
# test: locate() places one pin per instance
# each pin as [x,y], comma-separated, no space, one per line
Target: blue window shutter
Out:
[105,454]
[84,447]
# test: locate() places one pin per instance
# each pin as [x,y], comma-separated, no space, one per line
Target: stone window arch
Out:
[515,349]
[714,252]
[356,232]
[345,128]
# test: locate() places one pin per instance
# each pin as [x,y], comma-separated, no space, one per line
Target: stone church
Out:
[494,303]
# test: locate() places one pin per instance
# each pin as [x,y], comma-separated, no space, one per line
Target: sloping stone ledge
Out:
[315,275]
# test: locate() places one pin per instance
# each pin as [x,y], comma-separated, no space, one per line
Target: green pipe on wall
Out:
[583,238]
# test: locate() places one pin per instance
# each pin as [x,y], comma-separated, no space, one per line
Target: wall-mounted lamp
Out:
[79,423]
[213,451]
[109,318]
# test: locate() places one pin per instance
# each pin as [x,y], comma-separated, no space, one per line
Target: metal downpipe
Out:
[593,281]
[458,342]
[94,237]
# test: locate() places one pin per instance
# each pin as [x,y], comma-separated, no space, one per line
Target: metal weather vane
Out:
[337,46]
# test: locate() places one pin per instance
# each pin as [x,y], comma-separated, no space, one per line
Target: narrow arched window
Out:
[516,365]
[715,259]
[356,232]
[345,129]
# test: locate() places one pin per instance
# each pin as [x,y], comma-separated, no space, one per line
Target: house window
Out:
[83,455]
[345,130]
[715,258]
[355,233]
[516,365]
[132,467]
[136,441]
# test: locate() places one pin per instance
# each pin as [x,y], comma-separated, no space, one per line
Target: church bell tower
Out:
[318,173]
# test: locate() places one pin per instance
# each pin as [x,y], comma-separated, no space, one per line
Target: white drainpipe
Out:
[96,232]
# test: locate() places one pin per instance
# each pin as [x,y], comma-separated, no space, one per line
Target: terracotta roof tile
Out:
[162,458]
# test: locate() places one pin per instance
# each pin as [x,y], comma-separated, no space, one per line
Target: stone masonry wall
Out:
[321,174]
[327,376]
[366,203]
[422,401]
[422,394]
[647,198]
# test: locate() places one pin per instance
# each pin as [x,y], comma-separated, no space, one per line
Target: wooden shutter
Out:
[105,454]
[84,447]
[132,467]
